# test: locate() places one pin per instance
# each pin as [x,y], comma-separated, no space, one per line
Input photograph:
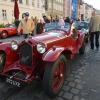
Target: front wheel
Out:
[4,34]
[54,76]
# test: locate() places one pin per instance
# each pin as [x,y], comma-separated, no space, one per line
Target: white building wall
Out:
[86,10]
[9,7]
[69,8]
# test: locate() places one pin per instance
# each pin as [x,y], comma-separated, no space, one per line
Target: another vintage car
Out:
[8,30]
[84,27]
[43,57]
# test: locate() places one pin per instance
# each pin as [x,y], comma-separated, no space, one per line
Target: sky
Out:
[94,3]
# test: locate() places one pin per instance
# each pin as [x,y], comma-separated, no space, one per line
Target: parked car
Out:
[42,57]
[9,30]
[84,27]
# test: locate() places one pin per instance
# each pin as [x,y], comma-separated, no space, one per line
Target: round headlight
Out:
[41,48]
[14,45]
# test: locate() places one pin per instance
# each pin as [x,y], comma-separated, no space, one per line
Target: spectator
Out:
[52,19]
[35,22]
[61,22]
[40,26]
[32,18]
[26,25]
[46,19]
[94,30]
[67,19]
[56,19]
[23,15]
[17,23]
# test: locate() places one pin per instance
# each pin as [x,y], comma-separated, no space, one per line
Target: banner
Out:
[74,9]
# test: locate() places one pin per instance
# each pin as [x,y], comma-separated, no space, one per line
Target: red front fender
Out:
[11,55]
[53,54]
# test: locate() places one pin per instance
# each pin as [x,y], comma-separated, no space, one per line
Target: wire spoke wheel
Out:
[58,76]
[54,76]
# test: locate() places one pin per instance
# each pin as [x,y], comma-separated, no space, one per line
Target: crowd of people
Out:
[35,26]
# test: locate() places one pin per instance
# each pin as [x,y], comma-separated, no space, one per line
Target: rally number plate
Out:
[13,82]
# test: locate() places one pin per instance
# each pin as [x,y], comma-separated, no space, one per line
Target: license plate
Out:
[13,82]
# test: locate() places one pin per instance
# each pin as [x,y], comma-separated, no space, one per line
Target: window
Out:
[38,3]
[27,2]
[46,5]
[4,14]
[20,1]
[33,3]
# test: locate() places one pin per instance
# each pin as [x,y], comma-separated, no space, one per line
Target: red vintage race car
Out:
[45,57]
[9,30]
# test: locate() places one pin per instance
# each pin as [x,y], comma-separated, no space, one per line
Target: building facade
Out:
[58,7]
[54,7]
[86,11]
[34,7]
[67,8]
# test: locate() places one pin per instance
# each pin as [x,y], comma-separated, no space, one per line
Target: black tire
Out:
[4,34]
[50,68]
[2,60]
[82,49]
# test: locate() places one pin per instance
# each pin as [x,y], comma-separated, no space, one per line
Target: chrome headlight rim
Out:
[41,48]
[14,45]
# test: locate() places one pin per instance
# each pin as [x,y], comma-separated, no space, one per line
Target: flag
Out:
[16,9]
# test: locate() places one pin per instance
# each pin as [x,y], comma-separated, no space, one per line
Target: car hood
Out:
[2,28]
[48,36]
[6,28]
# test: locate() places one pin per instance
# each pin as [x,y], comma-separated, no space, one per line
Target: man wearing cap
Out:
[26,25]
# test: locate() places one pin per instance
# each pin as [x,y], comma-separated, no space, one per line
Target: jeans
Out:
[94,37]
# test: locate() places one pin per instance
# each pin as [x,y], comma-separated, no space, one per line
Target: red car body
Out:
[8,31]
[27,63]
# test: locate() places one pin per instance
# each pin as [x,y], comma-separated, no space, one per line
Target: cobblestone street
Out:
[82,84]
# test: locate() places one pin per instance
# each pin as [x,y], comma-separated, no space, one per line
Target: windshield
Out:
[55,34]
[55,25]
[10,26]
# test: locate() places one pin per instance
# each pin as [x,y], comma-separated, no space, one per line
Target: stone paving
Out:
[76,86]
